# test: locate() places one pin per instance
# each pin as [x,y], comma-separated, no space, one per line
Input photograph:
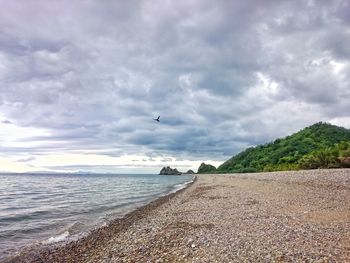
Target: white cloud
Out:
[12,135]
[11,166]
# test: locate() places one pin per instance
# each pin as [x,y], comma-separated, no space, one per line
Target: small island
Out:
[169,171]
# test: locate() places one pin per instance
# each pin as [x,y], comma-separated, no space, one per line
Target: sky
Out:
[81,81]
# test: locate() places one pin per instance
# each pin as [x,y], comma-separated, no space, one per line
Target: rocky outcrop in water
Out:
[189,172]
[169,171]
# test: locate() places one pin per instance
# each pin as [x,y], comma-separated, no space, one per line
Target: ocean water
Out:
[41,209]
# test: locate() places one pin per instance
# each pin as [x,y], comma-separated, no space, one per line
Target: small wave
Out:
[178,187]
[56,239]
[76,227]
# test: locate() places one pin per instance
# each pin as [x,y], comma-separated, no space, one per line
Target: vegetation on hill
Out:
[337,156]
[206,168]
[317,146]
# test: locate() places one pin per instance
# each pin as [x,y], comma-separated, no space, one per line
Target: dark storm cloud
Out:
[223,75]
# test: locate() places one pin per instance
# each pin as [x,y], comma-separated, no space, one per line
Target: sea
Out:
[43,209]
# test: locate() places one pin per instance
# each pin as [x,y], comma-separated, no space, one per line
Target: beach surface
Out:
[299,216]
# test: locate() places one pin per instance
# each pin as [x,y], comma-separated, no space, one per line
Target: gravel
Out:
[301,216]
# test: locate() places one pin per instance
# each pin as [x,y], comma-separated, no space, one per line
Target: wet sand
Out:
[264,217]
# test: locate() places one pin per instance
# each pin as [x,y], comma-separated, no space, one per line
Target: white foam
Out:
[178,187]
[55,239]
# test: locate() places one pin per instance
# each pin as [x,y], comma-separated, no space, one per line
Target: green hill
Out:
[291,152]
[206,168]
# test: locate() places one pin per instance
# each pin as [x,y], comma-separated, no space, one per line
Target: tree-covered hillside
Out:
[285,153]
[206,168]
[337,156]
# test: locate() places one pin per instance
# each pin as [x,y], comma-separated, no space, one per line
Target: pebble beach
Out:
[301,216]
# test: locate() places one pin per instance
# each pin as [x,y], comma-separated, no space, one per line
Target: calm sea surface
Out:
[41,209]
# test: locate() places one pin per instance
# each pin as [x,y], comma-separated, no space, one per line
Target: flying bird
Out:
[157,119]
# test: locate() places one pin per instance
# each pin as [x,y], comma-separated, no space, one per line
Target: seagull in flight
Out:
[157,120]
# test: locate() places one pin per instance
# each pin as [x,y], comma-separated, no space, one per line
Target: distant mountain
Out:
[291,152]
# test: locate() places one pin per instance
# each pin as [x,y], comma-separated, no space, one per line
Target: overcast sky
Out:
[80,81]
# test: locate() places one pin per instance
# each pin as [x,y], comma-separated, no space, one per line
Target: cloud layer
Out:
[88,77]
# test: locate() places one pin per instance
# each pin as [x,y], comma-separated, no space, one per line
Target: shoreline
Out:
[301,216]
[72,249]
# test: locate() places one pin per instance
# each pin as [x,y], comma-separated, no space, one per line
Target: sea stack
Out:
[169,171]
